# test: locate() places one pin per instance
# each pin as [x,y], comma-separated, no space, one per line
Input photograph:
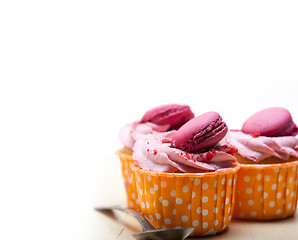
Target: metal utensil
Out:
[148,231]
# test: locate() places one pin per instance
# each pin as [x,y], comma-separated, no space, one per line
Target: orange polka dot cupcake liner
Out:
[201,200]
[266,191]
[129,179]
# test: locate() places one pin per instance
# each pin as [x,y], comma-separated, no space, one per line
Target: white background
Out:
[73,72]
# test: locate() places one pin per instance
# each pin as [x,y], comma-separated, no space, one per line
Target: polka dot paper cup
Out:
[200,200]
[128,178]
[266,191]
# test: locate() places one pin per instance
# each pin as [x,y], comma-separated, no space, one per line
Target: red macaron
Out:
[271,122]
[200,133]
[173,114]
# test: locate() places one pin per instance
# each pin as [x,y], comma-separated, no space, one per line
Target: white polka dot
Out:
[179,201]
[289,205]
[189,206]
[223,193]
[154,203]
[273,186]
[227,200]
[141,192]
[278,211]
[224,227]
[185,189]
[131,204]
[137,201]
[160,199]
[173,193]
[261,200]
[205,186]
[205,212]
[143,205]
[197,181]
[184,218]
[216,210]
[199,209]
[284,185]
[158,216]
[265,195]
[168,221]
[191,179]
[165,203]
[292,194]
[152,190]
[205,199]
[271,204]
[267,178]
[253,214]
[147,205]
[215,196]
[215,184]
[278,195]
[291,180]
[230,182]
[248,190]
[246,179]
[195,223]
[150,217]
[193,194]
[215,222]
[284,201]
[148,177]
[260,188]
[133,196]
[251,202]
[205,225]
[259,176]
[229,209]
[279,178]
[294,169]
[156,187]
[287,192]
[163,184]
[276,170]
[223,181]
[174,212]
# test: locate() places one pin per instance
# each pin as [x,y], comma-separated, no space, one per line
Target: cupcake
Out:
[159,119]
[268,177]
[186,178]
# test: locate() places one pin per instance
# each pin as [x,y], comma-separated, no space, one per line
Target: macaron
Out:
[200,133]
[271,122]
[173,114]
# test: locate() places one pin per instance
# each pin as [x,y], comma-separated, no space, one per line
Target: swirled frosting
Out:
[257,148]
[153,152]
[130,132]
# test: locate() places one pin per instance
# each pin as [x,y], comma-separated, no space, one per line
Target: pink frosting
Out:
[153,152]
[130,132]
[259,148]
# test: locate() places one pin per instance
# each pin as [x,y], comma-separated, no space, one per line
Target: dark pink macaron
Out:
[271,122]
[174,114]
[200,133]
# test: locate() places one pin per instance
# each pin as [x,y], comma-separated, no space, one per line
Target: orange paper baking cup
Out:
[129,179]
[200,200]
[266,191]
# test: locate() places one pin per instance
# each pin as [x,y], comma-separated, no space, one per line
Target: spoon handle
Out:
[146,225]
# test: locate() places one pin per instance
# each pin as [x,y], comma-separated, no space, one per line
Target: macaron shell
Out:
[271,122]
[200,133]
[174,114]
